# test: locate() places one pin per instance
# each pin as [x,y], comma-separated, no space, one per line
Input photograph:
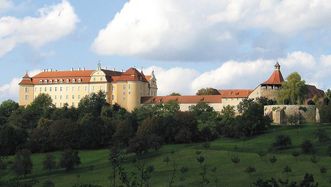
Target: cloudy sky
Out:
[189,43]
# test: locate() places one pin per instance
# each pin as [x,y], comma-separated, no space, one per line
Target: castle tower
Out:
[26,90]
[275,80]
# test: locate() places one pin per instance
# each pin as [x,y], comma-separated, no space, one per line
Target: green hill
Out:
[96,169]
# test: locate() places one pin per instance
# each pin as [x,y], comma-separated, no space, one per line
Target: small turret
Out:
[277,66]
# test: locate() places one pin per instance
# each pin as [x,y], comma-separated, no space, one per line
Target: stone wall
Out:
[280,113]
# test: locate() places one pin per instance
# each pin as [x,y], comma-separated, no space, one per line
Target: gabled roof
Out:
[276,77]
[84,76]
[182,99]
[235,93]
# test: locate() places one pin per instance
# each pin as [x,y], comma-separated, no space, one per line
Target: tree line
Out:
[41,127]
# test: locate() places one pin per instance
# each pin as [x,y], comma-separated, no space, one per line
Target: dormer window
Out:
[61,80]
[45,81]
[50,81]
[40,81]
[55,81]
[73,80]
[67,81]
[79,80]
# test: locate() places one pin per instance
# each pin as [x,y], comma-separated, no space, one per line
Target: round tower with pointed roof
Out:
[271,86]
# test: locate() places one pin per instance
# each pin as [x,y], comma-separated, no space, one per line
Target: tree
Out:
[294,90]
[92,103]
[22,164]
[11,139]
[208,91]
[174,94]
[282,142]
[6,109]
[49,162]
[116,158]
[307,147]
[69,159]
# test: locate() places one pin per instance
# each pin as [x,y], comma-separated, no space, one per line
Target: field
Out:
[95,167]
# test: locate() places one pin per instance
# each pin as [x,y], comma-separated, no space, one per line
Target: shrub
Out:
[282,142]
[307,147]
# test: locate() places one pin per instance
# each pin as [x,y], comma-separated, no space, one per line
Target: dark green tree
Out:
[69,159]
[49,162]
[22,164]
[208,91]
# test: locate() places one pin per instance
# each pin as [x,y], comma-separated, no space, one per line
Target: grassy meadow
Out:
[96,169]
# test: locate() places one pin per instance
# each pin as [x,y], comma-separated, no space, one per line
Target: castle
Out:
[131,89]
[232,97]
[69,87]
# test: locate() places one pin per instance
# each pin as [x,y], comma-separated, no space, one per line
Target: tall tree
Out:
[208,91]
[22,164]
[294,90]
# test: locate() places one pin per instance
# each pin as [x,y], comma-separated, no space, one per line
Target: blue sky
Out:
[190,43]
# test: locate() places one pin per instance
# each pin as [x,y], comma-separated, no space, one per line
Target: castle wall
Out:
[280,113]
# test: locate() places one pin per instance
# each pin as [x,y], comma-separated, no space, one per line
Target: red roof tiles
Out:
[182,99]
[83,76]
[235,93]
[276,77]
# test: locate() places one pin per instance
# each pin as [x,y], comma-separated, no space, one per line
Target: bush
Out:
[307,147]
[282,142]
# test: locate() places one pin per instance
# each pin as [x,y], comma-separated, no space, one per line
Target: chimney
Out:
[72,69]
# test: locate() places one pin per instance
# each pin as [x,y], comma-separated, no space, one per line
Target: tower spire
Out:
[277,66]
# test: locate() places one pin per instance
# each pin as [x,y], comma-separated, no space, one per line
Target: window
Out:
[67,81]
[50,89]
[40,89]
[60,96]
[100,78]
[113,97]
[72,88]
[79,80]
[26,90]
[45,81]
[78,96]
[50,81]
[67,88]
[124,87]
[55,81]
[67,97]
[55,97]
[40,81]
[73,96]
[94,79]
[85,88]
[60,89]
[73,81]
[55,88]
[129,92]
[73,104]
[45,89]
[78,88]
[26,97]
[129,86]
[61,81]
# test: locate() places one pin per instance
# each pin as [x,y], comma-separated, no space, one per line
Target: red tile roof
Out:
[182,99]
[235,93]
[84,76]
[276,77]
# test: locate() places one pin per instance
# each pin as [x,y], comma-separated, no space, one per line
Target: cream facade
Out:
[69,87]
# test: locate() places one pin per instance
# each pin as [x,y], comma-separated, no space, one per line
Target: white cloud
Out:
[10,90]
[245,74]
[5,5]
[209,29]
[52,23]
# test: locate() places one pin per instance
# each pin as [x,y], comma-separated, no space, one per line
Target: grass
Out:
[95,167]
